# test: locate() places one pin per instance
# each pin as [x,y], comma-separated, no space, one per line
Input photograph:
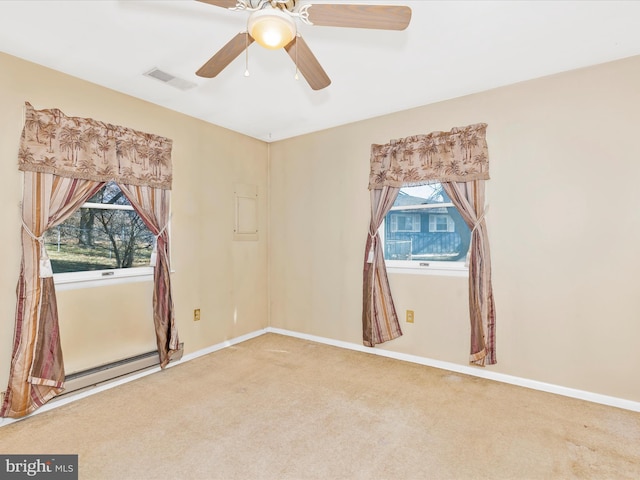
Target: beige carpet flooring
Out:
[277,407]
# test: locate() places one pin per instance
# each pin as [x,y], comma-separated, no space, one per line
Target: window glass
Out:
[424,228]
[105,233]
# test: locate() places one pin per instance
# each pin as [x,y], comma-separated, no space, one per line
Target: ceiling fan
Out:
[272,24]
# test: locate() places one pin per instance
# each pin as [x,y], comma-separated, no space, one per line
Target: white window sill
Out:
[445,269]
[102,278]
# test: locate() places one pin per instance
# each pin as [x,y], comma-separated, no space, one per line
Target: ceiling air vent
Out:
[169,79]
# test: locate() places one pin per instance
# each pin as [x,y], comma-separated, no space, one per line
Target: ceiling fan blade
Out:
[383,17]
[225,55]
[221,3]
[307,64]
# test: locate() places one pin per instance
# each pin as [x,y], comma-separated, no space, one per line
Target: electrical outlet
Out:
[409,316]
[196,315]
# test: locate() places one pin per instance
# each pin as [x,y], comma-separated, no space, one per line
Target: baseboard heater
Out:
[111,371]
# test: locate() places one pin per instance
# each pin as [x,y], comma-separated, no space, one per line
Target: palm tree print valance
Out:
[88,149]
[460,155]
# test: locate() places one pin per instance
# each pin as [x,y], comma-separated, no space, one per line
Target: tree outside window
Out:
[105,233]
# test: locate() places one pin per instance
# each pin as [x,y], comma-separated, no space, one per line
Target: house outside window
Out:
[104,238]
[423,230]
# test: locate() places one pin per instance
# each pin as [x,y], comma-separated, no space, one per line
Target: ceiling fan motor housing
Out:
[289,4]
[282,4]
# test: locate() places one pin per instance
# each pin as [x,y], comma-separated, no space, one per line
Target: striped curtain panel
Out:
[459,160]
[379,318]
[152,204]
[469,199]
[37,371]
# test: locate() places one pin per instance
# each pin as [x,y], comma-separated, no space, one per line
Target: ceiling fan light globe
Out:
[271,28]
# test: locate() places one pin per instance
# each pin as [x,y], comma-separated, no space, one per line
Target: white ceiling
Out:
[451,48]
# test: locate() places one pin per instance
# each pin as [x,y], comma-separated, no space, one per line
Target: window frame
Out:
[113,276]
[416,224]
[427,267]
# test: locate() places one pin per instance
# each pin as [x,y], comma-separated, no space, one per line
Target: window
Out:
[441,223]
[405,222]
[105,238]
[423,230]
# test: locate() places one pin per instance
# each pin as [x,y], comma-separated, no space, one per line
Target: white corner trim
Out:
[218,346]
[474,371]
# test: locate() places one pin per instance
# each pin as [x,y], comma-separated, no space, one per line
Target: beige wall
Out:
[563,224]
[225,279]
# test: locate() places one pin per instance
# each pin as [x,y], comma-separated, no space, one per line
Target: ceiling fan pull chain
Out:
[246,55]
[296,76]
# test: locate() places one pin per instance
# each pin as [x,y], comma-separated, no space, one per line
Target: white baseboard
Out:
[453,367]
[474,371]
